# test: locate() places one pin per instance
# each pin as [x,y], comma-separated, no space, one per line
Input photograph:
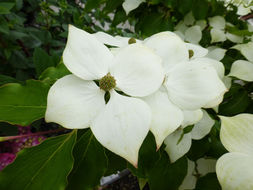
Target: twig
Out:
[29,135]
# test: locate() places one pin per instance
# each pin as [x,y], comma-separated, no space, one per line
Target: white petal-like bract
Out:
[73,102]
[246,50]
[216,53]
[85,56]
[166,117]
[237,132]
[123,125]
[234,38]
[217,22]
[235,171]
[193,34]
[218,35]
[176,147]
[191,117]
[203,127]
[169,47]
[242,69]
[130,5]
[137,70]
[192,85]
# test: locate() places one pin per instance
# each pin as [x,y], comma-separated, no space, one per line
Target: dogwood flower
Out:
[243,69]
[235,169]
[189,83]
[76,101]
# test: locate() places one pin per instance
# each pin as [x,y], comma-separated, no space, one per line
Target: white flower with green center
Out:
[189,83]
[235,169]
[76,101]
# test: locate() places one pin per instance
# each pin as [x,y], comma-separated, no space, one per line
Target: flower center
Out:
[131,41]
[107,82]
[191,53]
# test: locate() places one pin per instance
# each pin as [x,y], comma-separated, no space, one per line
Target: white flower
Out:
[178,143]
[218,34]
[189,83]
[76,102]
[235,169]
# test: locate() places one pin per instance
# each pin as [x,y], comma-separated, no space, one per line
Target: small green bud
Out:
[131,41]
[191,53]
[107,82]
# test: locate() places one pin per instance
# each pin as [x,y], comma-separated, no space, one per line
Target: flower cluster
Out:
[123,92]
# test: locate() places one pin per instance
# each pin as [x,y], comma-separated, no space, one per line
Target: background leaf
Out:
[42,60]
[23,104]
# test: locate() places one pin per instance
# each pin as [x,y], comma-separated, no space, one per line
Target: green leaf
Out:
[208,182]
[4,27]
[90,163]
[184,6]
[44,167]
[41,60]
[52,74]
[155,166]
[236,101]
[153,22]
[23,104]
[148,156]
[198,148]
[111,5]
[120,16]
[6,79]
[200,9]
[115,163]
[6,7]
[91,4]
[166,175]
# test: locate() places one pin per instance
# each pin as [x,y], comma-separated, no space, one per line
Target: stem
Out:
[246,17]
[29,135]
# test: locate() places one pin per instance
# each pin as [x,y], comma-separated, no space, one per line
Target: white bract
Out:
[178,143]
[130,5]
[218,34]
[189,29]
[235,169]
[189,83]
[243,69]
[76,102]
